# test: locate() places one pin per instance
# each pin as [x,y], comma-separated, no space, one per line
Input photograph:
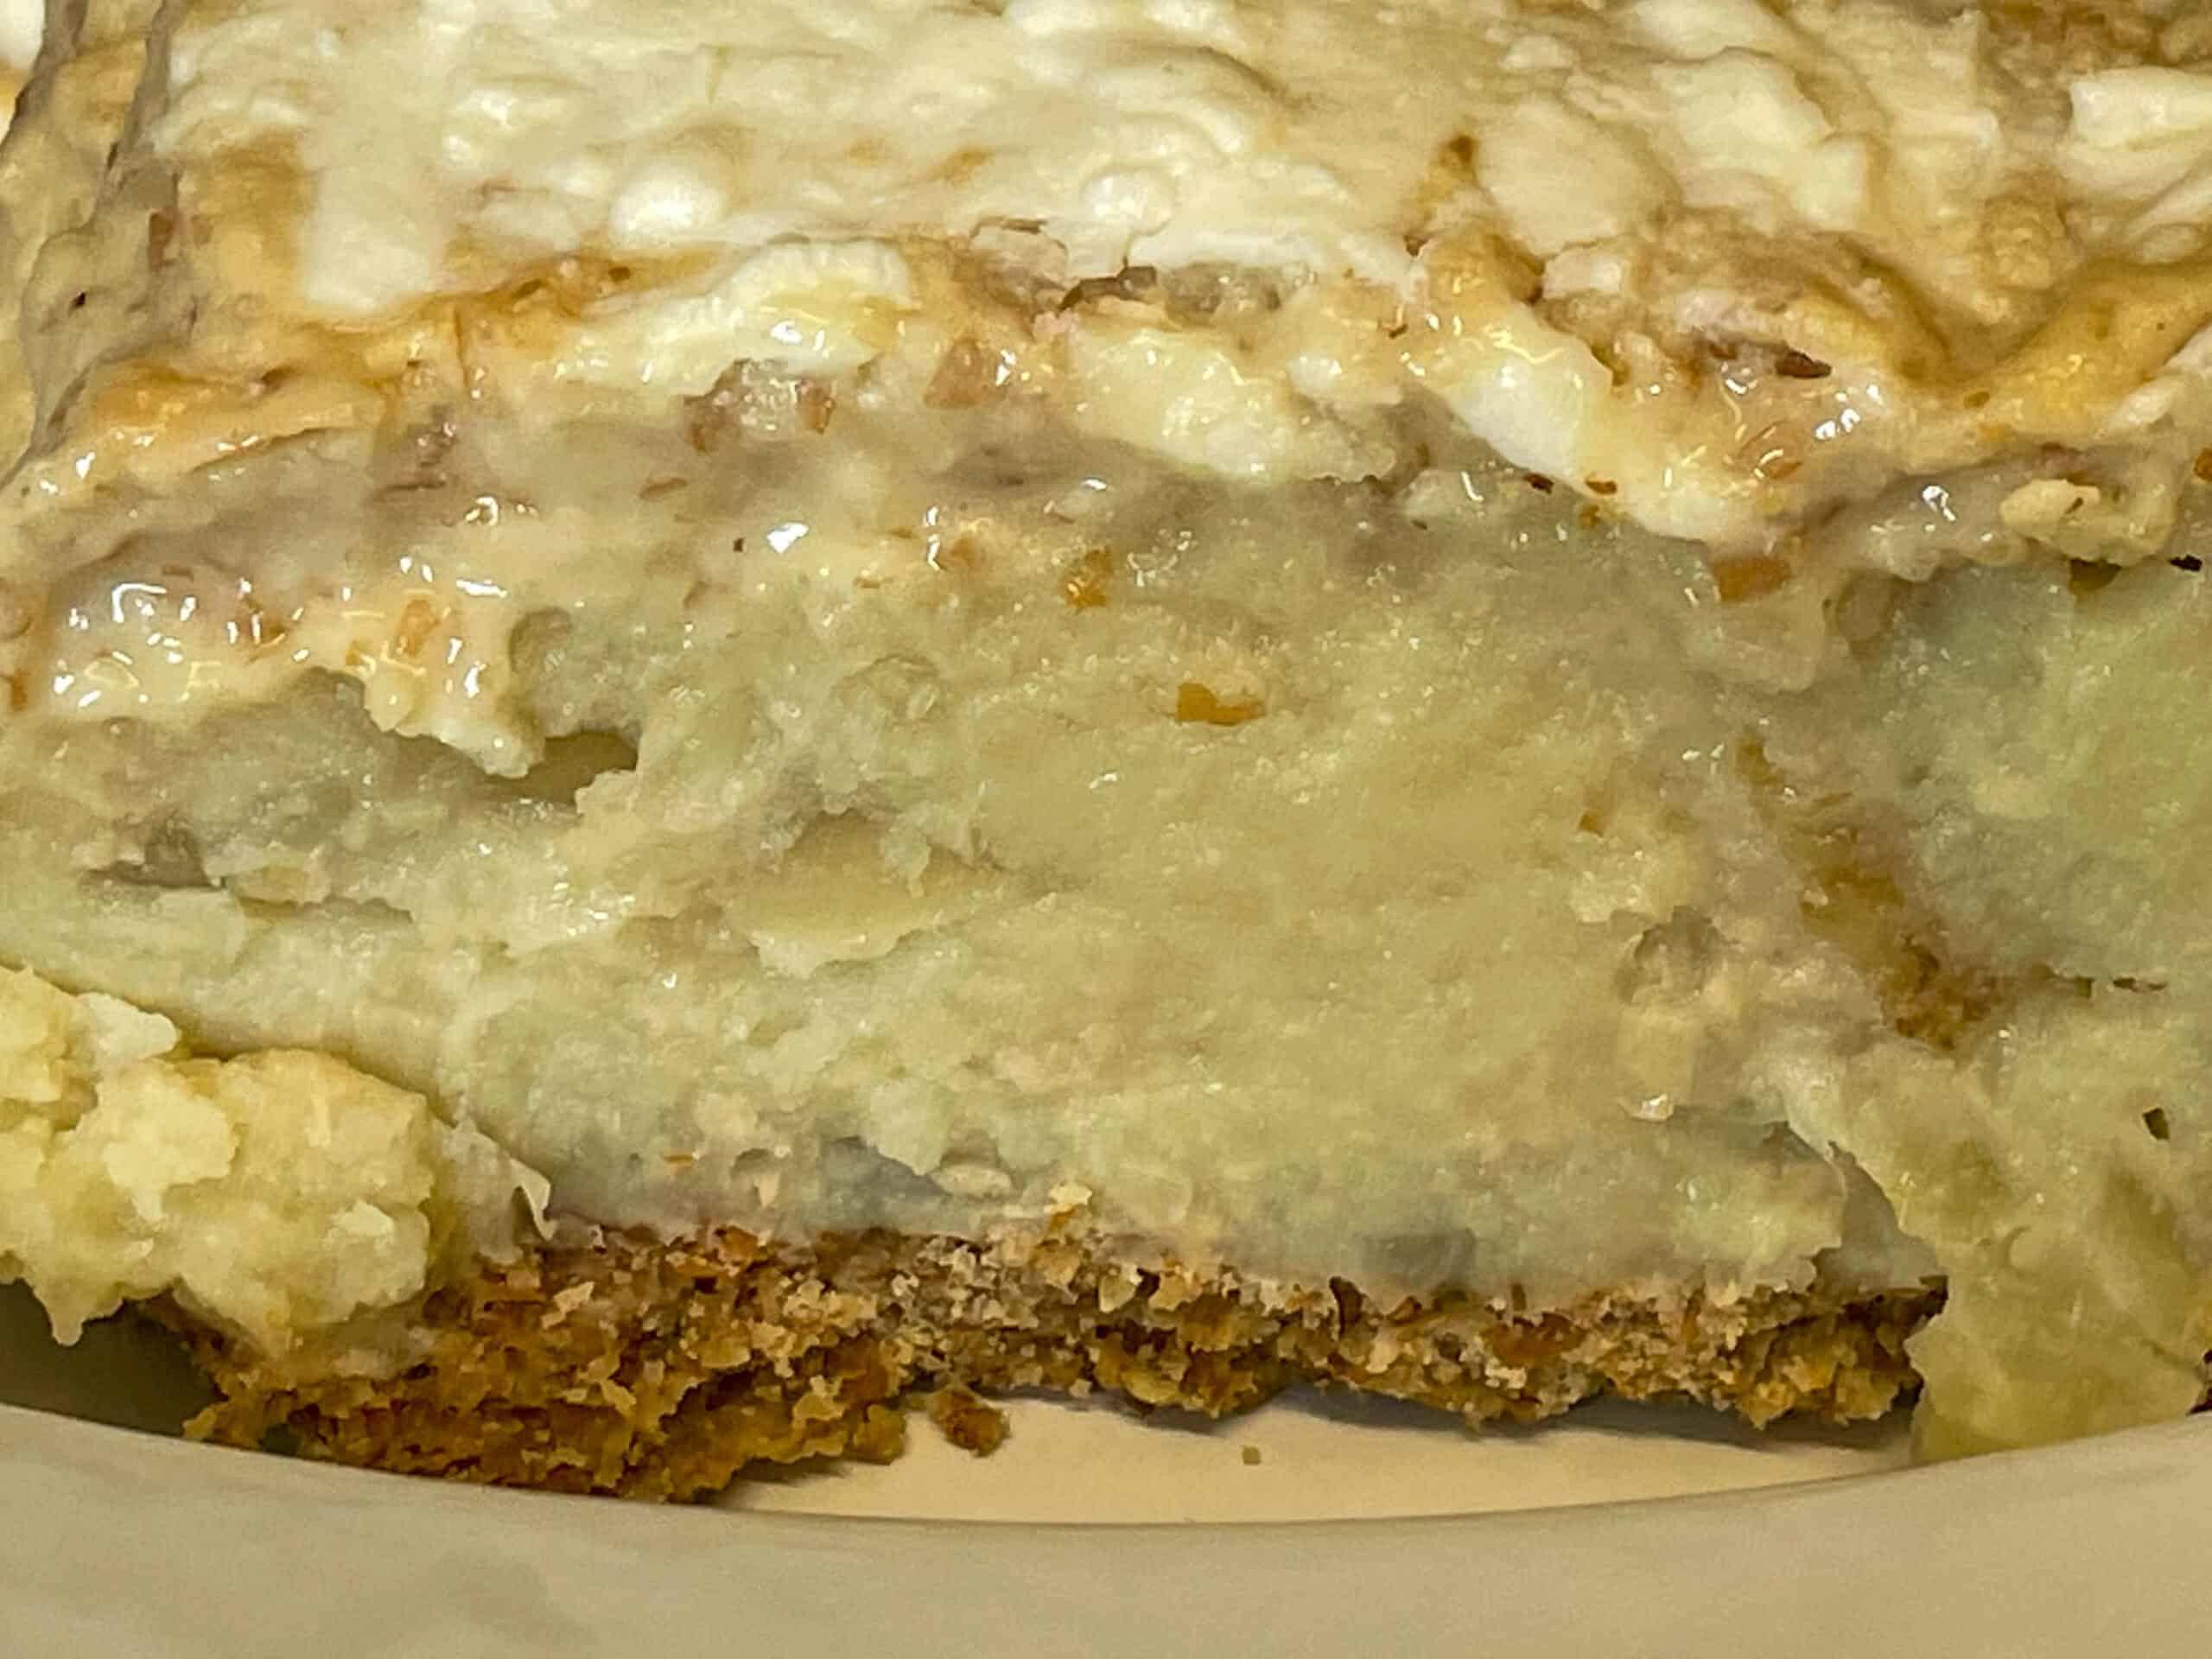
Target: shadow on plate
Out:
[126,1372]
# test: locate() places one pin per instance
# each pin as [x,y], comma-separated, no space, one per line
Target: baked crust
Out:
[615,1363]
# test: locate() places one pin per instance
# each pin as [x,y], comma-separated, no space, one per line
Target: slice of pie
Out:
[715,714]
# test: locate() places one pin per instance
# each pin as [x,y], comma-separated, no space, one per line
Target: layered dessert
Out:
[714,717]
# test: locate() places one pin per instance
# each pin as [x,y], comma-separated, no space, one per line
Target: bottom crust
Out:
[621,1363]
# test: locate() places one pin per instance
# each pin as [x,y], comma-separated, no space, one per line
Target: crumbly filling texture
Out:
[1247,663]
[282,1196]
[612,1363]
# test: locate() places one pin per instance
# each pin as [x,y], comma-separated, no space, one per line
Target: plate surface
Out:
[134,1543]
[129,1544]
[1303,1458]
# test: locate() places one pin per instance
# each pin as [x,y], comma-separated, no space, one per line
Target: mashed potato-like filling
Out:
[280,1194]
[1423,888]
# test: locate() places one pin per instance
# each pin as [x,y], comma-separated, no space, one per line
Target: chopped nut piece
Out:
[1085,584]
[417,623]
[1739,580]
[1196,704]
[817,403]
[969,374]
[971,1423]
[1133,282]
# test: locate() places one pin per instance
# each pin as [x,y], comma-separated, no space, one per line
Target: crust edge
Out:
[618,1363]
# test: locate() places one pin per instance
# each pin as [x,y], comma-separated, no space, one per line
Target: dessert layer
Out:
[1088,883]
[615,1363]
[1725,268]
[926,717]
[289,1198]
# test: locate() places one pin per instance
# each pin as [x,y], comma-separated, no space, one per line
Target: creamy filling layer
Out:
[1421,885]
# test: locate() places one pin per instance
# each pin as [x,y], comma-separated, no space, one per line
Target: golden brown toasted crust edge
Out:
[618,1362]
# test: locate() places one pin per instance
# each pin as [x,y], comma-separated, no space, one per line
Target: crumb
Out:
[969,1421]
[1251,1456]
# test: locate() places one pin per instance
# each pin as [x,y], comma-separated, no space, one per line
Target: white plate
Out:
[131,1544]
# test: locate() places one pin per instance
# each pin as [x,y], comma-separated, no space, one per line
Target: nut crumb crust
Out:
[617,1362]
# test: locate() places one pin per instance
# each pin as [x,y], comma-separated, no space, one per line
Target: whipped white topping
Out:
[1151,131]
[22,22]
[1581,215]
